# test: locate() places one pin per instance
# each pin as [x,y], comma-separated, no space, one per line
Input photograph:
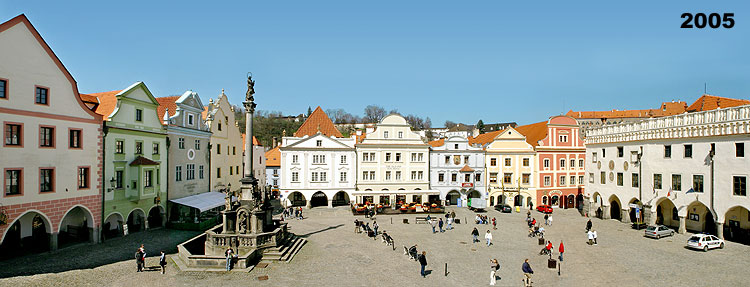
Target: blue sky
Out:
[449,60]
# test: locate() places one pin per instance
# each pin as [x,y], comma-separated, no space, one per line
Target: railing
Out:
[734,120]
[260,240]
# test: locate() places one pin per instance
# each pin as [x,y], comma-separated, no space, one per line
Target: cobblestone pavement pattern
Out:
[336,256]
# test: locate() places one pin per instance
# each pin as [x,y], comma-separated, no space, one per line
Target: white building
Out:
[393,165]
[318,165]
[457,170]
[692,174]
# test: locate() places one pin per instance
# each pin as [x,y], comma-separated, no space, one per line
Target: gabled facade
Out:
[273,172]
[226,145]
[135,160]
[393,165]
[188,139]
[511,168]
[317,165]
[457,170]
[50,156]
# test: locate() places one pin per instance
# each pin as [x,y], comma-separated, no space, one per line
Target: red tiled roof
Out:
[666,109]
[466,168]
[86,98]
[140,160]
[166,103]
[318,121]
[437,143]
[484,138]
[710,102]
[273,156]
[204,114]
[107,103]
[534,132]
[255,142]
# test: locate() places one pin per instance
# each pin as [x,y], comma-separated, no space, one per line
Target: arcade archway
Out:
[156,216]
[297,199]
[340,198]
[452,197]
[318,199]
[667,214]
[699,218]
[112,226]
[737,225]
[29,233]
[615,208]
[136,221]
[77,226]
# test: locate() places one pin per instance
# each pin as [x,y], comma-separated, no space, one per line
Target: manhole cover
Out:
[263,278]
[262,265]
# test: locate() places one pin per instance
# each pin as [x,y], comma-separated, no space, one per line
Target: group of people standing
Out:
[591,233]
[293,212]
[140,260]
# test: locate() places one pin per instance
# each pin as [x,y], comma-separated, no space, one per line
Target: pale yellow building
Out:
[226,144]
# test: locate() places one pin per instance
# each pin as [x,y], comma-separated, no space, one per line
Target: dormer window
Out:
[385,134]
[400,135]
[190,118]
[319,143]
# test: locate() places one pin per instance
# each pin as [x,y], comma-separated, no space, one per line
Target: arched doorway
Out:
[297,199]
[452,197]
[113,226]
[473,194]
[667,214]
[615,208]
[77,226]
[699,218]
[29,233]
[632,211]
[492,201]
[571,201]
[528,201]
[554,200]
[156,217]
[737,225]
[318,199]
[579,201]
[340,198]
[544,199]
[136,220]
[518,200]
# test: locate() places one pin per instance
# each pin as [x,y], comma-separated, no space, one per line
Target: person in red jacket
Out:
[562,250]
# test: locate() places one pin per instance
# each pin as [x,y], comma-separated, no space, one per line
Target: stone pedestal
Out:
[605,212]
[257,221]
[625,216]
[682,229]
[720,230]
[230,219]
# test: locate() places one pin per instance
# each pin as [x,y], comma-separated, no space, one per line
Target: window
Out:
[454,177]
[667,151]
[83,177]
[400,135]
[342,176]
[219,127]
[562,163]
[526,161]
[698,182]
[466,159]
[572,180]
[138,147]
[414,175]
[295,176]
[190,171]
[314,176]
[74,138]
[467,177]
[688,151]
[387,175]
[318,143]
[147,176]
[562,180]
[740,185]
[343,159]
[676,182]
[580,163]
[620,151]
[387,156]
[295,158]
[572,163]
[155,150]
[138,115]
[197,144]
[420,175]
[178,173]
[385,134]
[218,148]
[547,180]
[13,181]
[231,171]
[591,177]
[525,178]
[441,177]
[181,143]
[46,137]
[545,163]
[13,134]
[447,159]
[3,89]
[200,172]
[507,162]
[563,138]
[234,150]
[119,147]
[604,153]
[634,180]
[507,177]
[398,157]
[319,159]
[118,178]
[275,182]
[739,149]
[580,179]
[218,172]
[603,177]
[478,177]
[593,157]
[493,162]
[42,96]
[657,181]
[46,179]
[493,177]
[275,172]
[620,179]
[398,175]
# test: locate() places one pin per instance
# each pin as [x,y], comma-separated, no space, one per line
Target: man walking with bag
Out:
[423,263]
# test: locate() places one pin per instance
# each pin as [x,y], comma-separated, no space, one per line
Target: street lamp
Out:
[112,183]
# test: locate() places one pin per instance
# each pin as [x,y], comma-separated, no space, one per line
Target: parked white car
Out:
[705,242]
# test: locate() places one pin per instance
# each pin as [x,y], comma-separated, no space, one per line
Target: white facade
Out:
[457,168]
[678,183]
[226,145]
[317,170]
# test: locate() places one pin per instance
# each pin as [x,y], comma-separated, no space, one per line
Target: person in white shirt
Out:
[591,237]
[488,236]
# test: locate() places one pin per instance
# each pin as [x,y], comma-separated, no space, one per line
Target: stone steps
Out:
[285,252]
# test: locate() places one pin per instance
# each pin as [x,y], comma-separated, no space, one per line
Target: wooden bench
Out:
[421,220]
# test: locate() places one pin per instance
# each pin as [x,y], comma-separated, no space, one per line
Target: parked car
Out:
[705,242]
[504,208]
[544,209]
[658,231]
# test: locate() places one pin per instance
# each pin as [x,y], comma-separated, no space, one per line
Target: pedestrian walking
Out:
[375,227]
[449,221]
[494,268]
[546,219]
[528,215]
[549,220]
[562,250]
[163,262]
[590,235]
[588,225]
[356,226]
[527,271]
[423,263]
[488,237]
[595,236]
[453,215]
[138,258]
[475,235]
[433,223]
[494,224]
[300,214]
[440,225]
[229,254]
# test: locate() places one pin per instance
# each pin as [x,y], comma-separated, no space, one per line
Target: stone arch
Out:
[341,198]
[545,200]
[21,236]
[296,198]
[156,216]
[570,201]
[667,213]
[528,201]
[318,198]
[705,219]
[631,211]
[615,206]
[452,197]
[474,194]
[112,226]
[737,224]
[136,220]
[518,200]
[77,225]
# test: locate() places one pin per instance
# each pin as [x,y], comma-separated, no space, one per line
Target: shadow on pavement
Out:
[306,235]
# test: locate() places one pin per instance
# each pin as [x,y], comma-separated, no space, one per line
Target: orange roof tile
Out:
[710,102]
[437,143]
[86,98]
[273,157]
[666,109]
[166,103]
[318,121]
[534,132]
[466,168]
[255,142]
[484,138]
[361,137]
[140,160]
[204,114]
[107,103]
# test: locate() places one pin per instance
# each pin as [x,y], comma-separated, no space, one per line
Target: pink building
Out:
[560,168]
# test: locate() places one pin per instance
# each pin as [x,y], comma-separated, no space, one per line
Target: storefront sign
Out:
[467,184]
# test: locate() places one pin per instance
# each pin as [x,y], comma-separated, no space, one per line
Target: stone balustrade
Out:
[728,121]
